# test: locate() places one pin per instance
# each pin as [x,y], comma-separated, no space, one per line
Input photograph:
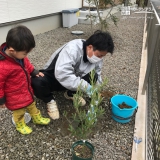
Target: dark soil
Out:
[65,123]
[64,126]
[83,151]
[107,94]
[124,105]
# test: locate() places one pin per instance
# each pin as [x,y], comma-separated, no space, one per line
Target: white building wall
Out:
[13,10]
[21,12]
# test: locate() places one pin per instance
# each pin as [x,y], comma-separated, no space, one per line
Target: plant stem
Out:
[100,19]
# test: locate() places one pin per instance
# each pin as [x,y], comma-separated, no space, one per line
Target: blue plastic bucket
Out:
[123,115]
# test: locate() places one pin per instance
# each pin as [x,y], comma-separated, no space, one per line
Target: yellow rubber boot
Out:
[22,127]
[38,119]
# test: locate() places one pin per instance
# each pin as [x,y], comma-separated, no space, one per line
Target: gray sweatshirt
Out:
[71,63]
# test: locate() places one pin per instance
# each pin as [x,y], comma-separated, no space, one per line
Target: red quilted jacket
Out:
[15,82]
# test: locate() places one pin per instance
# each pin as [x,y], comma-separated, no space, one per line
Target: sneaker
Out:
[53,109]
[82,101]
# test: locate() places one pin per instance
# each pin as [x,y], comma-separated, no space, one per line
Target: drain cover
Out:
[77,32]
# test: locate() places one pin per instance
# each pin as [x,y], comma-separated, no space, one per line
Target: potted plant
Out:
[86,119]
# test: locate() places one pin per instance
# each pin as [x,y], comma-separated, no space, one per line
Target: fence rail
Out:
[152,83]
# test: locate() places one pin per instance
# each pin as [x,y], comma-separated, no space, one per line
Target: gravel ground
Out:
[112,140]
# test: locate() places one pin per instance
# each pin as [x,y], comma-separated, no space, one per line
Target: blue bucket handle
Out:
[122,118]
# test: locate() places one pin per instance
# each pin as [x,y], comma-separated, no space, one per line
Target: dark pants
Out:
[44,86]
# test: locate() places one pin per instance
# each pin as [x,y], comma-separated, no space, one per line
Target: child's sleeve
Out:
[33,72]
[2,83]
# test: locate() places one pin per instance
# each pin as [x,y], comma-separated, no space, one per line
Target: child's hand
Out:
[2,106]
[40,74]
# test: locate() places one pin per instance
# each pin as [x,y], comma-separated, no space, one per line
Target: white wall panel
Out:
[12,10]
[4,16]
[73,4]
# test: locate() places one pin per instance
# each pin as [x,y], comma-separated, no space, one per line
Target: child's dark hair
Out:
[101,41]
[20,38]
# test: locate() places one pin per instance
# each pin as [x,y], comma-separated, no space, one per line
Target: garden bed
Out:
[112,140]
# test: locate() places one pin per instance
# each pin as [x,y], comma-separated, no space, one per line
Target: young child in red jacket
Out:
[15,84]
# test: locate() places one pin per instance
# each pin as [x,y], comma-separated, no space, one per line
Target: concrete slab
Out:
[140,121]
